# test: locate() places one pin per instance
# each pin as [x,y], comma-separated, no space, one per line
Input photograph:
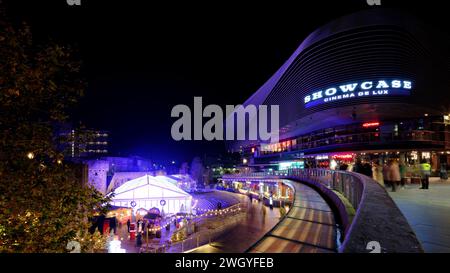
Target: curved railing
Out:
[377,221]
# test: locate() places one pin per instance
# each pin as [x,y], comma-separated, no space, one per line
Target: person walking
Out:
[128,225]
[425,171]
[386,175]
[395,178]
[402,174]
[367,169]
[358,168]
[378,173]
[443,171]
[113,225]
[139,240]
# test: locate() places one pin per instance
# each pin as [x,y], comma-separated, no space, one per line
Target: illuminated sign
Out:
[343,156]
[321,157]
[371,124]
[290,165]
[359,89]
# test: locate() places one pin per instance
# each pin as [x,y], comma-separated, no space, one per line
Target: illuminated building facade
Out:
[371,85]
[83,143]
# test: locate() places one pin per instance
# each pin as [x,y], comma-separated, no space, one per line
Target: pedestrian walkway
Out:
[308,227]
[427,211]
[247,232]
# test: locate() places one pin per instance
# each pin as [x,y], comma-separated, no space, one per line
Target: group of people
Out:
[143,228]
[393,174]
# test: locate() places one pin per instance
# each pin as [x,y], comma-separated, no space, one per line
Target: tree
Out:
[43,204]
[184,169]
[197,170]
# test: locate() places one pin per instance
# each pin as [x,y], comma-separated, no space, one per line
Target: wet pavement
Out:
[308,228]
[428,213]
[247,232]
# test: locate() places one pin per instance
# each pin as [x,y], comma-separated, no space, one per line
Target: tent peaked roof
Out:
[149,186]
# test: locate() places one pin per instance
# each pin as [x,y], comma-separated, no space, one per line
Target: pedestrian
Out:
[425,171]
[394,171]
[358,168]
[139,239]
[128,225]
[443,172]
[113,225]
[144,227]
[386,174]
[378,173]
[367,169]
[403,174]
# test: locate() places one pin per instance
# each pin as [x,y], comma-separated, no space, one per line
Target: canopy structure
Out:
[152,192]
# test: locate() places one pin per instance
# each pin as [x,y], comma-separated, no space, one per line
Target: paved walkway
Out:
[308,228]
[428,213]
[247,232]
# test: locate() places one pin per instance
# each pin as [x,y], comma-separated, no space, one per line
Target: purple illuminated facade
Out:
[372,84]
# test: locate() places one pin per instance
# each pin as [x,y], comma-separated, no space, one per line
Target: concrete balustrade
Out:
[377,221]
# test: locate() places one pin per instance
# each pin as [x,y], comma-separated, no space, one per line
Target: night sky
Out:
[140,59]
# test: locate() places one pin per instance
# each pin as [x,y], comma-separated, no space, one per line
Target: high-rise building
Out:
[372,85]
[83,143]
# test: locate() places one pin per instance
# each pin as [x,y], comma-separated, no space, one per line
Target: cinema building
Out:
[373,85]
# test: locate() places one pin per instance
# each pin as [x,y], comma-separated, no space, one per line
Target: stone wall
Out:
[97,174]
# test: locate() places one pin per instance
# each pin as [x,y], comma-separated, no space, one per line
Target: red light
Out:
[343,156]
[371,124]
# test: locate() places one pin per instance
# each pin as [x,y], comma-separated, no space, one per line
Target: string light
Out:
[208,212]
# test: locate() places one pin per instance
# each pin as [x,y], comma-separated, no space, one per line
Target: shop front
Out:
[410,159]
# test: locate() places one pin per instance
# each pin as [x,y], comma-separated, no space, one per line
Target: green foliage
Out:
[43,204]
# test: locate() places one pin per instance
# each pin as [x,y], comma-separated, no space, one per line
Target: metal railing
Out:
[377,218]
[343,182]
[207,234]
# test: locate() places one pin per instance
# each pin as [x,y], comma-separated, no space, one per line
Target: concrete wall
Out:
[97,174]
[100,169]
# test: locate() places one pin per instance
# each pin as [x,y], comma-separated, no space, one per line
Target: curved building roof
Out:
[375,44]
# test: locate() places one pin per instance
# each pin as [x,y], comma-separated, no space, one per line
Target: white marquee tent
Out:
[148,191]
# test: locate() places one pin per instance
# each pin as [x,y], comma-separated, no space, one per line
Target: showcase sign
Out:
[359,89]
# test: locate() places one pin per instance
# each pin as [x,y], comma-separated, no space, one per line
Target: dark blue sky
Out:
[140,59]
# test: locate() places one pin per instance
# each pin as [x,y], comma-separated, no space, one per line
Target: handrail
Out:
[377,220]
